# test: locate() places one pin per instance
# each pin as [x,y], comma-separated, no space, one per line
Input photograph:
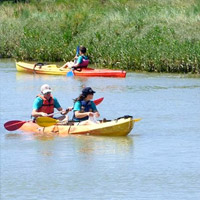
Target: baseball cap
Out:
[45,88]
[88,90]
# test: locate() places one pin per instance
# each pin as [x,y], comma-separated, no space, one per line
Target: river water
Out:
[159,160]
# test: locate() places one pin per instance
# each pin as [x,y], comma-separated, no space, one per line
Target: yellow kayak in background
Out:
[40,68]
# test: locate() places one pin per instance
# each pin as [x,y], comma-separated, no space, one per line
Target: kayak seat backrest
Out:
[39,64]
[125,117]
[105,120]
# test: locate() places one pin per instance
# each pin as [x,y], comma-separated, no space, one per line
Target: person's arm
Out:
[67,65]
[35,113]
[78,114]
[78,62]
[36,105]
[77,109]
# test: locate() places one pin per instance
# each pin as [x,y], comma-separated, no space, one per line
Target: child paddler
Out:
[81,60]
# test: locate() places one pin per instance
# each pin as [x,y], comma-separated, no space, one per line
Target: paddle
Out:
[71,73]
[48,121]
[16,124]
[98,101]
[13,125]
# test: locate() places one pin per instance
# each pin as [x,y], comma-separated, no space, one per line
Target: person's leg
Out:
[86,122]
[67,65]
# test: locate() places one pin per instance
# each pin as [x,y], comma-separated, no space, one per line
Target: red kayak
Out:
[100,72]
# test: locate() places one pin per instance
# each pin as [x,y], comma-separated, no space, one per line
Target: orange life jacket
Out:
[47,105]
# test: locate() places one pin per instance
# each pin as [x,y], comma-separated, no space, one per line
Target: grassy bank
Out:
[147,35]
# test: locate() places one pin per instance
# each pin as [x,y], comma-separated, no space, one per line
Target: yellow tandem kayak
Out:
[117,127]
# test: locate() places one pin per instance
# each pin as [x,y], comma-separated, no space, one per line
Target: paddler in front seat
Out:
[81,60]
[45,103]
[84,107]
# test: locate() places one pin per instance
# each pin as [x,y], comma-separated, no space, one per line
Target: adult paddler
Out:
[45,103]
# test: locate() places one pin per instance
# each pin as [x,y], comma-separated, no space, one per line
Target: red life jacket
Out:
[47,105]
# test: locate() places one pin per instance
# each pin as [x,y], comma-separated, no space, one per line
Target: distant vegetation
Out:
[144,35]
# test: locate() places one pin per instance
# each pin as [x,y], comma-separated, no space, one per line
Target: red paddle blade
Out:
[98,101]
[13,125]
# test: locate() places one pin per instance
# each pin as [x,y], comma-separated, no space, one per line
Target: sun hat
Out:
[45,89]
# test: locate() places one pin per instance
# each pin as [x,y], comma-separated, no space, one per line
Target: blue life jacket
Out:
[86,106]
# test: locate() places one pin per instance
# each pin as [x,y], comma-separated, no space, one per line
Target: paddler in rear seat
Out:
[84,107]
[80,62]
[45,103]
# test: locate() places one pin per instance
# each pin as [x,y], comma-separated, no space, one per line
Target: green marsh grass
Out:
[145,35]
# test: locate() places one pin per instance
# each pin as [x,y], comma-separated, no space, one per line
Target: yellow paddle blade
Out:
[46,121]
[137,120]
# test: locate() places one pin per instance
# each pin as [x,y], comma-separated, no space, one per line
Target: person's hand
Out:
[96,114]
[43,114]
[69,109]
[64,112]
[90,114]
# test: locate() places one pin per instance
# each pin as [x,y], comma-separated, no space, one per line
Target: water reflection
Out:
[44,137]
[83,80]
[83,144]
[20,76]
[21,136]
[49,145]
[103,145]
[13,136]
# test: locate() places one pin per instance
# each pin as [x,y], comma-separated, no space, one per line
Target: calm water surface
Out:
[159,160]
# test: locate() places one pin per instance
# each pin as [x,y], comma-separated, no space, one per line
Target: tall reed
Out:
[147,35]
